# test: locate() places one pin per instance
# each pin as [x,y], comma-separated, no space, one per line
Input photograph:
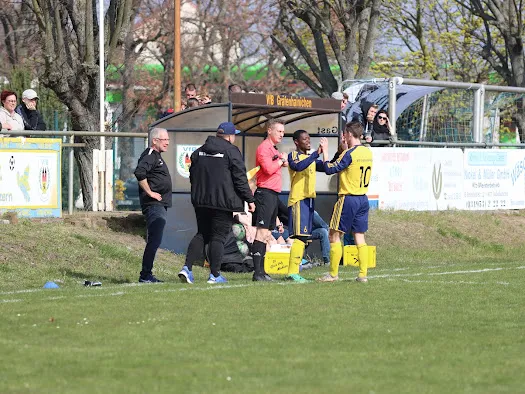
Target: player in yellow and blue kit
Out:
[354,166]
[302,167]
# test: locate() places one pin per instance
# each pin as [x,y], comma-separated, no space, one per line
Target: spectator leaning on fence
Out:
[366,118]
[382,128]
[33,119]
[8,117]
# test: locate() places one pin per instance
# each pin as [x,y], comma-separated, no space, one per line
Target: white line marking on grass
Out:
[213,287]
[441,273]
[20,291]
[460,282]
[120,293]
[216,287]
[467,271]
[13,300]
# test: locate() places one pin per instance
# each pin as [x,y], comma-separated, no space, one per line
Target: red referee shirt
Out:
[269,176]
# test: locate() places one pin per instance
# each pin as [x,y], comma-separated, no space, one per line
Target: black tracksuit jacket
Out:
[218,177]
[151,166]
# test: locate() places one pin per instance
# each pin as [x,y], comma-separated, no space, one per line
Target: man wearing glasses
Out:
[32,118]
[155,197]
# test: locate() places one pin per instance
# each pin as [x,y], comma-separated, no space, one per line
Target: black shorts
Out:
[266,208]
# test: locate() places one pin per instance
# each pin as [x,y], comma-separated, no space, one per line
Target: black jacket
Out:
[381,133]
[33,120]
[218,177]
[368,127]
[151,166]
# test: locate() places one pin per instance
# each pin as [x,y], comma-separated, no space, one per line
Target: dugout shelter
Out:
[188,130]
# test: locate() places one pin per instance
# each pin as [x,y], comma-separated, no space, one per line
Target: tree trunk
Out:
[84,155]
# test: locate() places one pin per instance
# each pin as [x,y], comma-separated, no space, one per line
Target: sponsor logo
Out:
[44,178]
[184,159]
[437,181]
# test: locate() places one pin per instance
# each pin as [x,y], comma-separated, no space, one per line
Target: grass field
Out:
[443,313]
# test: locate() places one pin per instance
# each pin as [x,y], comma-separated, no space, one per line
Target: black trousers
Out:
[213,226]
[156,216]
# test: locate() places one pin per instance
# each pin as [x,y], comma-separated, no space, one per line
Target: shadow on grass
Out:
[134,224]
[99,278]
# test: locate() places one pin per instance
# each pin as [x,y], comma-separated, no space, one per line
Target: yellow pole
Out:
[176,58]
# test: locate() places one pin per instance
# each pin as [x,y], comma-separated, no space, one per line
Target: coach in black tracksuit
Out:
[219,187]
[155,197]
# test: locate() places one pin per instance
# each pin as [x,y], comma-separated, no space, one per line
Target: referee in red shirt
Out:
[269,185]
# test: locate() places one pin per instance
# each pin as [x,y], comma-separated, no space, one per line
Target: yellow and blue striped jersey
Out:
[302,175]
[355,168]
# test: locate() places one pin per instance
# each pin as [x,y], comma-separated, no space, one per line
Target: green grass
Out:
[440,314]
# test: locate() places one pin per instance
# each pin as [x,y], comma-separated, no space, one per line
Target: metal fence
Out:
[458,115]
[450,113]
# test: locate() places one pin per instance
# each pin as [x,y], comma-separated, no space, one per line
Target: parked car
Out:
[131,195]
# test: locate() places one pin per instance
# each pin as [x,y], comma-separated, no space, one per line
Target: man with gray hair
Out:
[155,197]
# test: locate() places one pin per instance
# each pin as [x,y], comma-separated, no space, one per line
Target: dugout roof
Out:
[250,112]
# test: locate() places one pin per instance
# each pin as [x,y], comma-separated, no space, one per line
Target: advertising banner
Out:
[421,179]
[30,176]
[494,179]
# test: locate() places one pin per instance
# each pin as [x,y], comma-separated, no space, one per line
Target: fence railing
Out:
[477,125]
[72,145]
[478,105]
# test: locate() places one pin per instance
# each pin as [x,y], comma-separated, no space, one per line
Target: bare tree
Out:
[502,41]
[222,38]
[429,39]
[317,33]
[69,56]
[502,36]
[140,89]
[17,28]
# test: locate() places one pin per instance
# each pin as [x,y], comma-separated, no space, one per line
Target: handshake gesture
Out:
[323,146]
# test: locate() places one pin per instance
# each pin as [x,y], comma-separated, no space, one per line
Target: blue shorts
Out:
[350,214]
[300,218]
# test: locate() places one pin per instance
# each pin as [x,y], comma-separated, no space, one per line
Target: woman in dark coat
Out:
[382,131]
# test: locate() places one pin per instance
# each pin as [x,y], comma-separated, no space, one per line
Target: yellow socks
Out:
[336,252]
[296,256]
[362,255]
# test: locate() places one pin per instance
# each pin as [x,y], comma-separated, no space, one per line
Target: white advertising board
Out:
[494,179]
[419,179]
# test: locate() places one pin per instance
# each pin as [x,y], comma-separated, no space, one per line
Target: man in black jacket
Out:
[32,117]
[219,187]
[155,197]
[366,118]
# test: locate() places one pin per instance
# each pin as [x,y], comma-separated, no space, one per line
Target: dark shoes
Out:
[261,278]
[149,279]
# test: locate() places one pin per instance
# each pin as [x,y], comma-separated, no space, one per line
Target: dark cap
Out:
[227,128]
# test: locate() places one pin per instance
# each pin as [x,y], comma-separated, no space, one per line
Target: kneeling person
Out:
[302,168]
